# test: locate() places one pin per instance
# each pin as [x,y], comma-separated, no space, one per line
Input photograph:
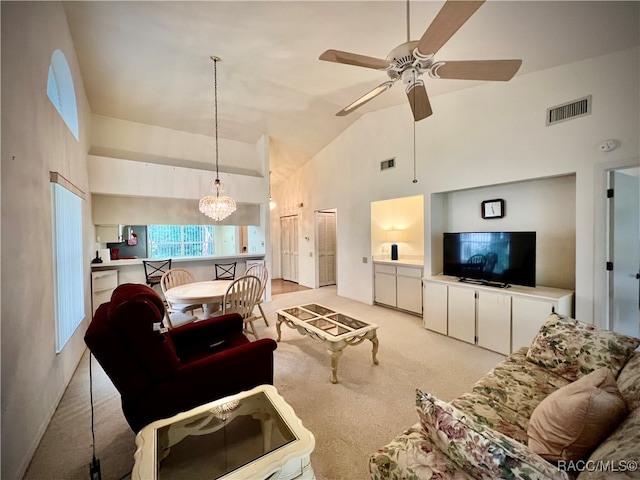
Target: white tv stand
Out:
[499,319]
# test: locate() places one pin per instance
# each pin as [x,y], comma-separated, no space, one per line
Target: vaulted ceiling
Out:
[148,62]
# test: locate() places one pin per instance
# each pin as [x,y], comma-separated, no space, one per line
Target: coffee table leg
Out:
[278,324]
[335,356]
[374,351]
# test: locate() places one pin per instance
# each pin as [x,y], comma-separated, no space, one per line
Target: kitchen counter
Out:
[202,268]
[138,261]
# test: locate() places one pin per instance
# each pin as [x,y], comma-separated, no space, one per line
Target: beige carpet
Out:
[350,420]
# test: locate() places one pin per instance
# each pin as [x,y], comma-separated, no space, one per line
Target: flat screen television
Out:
[492,258]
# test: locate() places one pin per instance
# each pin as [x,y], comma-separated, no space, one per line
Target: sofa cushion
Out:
[616,457]
[477,449]
[412,455]
[505,398]
[573,349]
[572,421]
[629,382]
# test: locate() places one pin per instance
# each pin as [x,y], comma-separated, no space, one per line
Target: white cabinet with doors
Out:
[436,297]
[398,286]
[501,320]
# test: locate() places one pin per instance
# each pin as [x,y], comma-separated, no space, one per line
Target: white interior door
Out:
[326,225]
[289,248]
[624,253]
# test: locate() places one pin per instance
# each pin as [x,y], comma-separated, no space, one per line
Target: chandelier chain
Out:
[215,103]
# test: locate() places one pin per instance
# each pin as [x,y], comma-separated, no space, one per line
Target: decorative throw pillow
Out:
[571,422]
[572,349]
[477,449]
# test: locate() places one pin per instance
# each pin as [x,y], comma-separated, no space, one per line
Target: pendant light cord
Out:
[215,103]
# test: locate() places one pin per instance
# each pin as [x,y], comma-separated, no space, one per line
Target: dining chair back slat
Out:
[176,313]
[241,297]
[260,271]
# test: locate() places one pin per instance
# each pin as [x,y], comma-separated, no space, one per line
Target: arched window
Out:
[61,92]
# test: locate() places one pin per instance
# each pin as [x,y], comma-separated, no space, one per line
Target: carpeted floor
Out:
[350,420]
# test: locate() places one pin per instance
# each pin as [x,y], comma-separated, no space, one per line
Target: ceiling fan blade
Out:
[383,87]
[452,15]
[419,100]
[498,70]
[355,59]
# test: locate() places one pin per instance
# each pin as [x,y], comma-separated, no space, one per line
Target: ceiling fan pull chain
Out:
[408,23]
[415,180]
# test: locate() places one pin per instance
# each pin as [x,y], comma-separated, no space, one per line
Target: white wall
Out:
[405,214]
[546,206]
[35,141]
[488,135]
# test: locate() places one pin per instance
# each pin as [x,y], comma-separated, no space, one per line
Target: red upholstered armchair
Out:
[161,374]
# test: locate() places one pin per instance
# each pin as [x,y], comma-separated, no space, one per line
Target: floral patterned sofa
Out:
[567,407]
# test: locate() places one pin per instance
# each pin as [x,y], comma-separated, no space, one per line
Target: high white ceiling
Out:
[149,62]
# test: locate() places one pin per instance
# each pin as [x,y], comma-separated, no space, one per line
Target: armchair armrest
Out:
[204,332]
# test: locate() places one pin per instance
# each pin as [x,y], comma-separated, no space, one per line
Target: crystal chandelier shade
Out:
[217,206]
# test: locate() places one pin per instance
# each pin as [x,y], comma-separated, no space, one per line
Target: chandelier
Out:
[217,206]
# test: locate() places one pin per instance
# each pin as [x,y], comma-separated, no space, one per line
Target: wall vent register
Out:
[567,111]
[387,164]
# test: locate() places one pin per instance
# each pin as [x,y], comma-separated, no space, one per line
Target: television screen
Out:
[501,258]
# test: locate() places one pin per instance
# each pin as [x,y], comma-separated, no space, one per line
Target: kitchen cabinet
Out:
[103,283]
[501,320]
[109,233]
[398,286]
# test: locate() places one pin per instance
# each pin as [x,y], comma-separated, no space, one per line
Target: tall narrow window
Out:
[66,206]
[61,92]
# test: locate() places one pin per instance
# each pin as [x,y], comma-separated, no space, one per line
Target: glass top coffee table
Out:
[251,435]
[333,328]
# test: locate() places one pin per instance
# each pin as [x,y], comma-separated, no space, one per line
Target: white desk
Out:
[206,293]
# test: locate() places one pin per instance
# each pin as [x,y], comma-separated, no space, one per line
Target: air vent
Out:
[387,164]
[569,111]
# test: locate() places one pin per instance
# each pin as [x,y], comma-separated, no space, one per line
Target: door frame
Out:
[315,246]
[601,295]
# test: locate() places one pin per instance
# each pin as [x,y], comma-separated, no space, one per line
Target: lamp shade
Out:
[395,235]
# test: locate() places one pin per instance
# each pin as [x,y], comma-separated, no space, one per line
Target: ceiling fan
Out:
[410,60]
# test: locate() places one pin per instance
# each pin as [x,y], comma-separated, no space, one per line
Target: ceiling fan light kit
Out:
[410,60]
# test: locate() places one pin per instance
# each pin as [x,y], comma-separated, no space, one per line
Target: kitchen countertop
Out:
[138,261]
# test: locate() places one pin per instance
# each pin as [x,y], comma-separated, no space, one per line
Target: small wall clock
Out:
[493,208]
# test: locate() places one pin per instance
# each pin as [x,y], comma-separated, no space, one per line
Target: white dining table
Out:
[208,294]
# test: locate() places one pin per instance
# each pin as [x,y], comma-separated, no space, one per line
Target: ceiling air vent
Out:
[387,164]
[568,111]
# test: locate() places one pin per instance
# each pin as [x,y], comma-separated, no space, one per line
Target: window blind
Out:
[67,260]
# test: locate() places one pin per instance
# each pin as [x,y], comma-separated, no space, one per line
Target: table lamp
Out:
[395,236]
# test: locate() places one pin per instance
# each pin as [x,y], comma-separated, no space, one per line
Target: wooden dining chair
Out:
[241,297]
[177,313]
[225,271]
[260,271]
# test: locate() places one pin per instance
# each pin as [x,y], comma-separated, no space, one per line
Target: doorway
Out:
[623,250]
[326,247]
